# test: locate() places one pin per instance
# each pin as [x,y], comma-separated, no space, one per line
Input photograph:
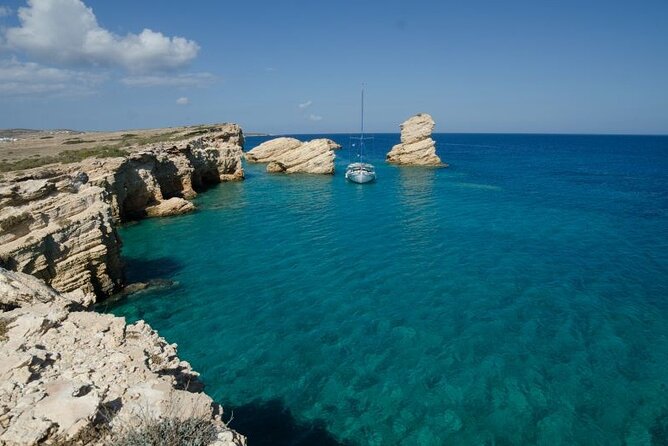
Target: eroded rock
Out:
[171,206]
[417,148]
[290,155]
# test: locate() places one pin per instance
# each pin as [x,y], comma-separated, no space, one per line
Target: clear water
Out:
[518,297]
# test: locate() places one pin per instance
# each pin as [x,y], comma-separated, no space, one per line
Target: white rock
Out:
[416,147]
[290,155]
[172,206]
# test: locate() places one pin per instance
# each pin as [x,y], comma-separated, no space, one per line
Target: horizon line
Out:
[261,134]
[254,133]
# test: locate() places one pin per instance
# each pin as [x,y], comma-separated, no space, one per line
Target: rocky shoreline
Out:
[71,376]
[80,377]
[58,222]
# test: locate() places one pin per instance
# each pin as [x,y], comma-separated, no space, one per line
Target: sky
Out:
[298,66]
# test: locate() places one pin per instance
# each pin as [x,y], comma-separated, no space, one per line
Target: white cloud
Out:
[306,104]
[183,101]
[67,32]
[5,11]
[177,80]
[19,78]
[315,117]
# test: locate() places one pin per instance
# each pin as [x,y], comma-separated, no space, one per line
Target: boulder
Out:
[275,167]
[290,155]
[172,206]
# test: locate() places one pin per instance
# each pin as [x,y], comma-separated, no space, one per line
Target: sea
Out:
[517,297]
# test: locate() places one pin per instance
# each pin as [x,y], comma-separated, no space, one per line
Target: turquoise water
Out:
[518,297]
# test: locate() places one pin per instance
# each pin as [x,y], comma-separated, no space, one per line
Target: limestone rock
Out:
[275,167]
[65,238]
[172,206]
[272,150]
[290,155]
[66,372]
[416,147]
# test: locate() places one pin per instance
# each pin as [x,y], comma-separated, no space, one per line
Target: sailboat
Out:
[361,172]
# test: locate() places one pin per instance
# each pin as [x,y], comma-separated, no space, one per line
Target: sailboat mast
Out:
[362,127]
[362,131]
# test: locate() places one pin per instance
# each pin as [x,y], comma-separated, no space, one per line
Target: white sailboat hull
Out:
[360,173]
[361,178]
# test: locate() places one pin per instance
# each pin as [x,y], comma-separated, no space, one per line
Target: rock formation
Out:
[416,147]
[58,222]
[65,236]
[290,155]
[78,377]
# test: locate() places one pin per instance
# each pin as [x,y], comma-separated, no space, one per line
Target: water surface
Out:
[517,297]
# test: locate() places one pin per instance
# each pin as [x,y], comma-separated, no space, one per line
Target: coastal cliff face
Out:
[417,148]
[61,233]
[57,222]
[78,377]
[290,155]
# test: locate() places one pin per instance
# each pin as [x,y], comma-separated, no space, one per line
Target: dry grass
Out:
[65,157]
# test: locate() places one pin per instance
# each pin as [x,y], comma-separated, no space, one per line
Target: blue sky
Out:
[297,66]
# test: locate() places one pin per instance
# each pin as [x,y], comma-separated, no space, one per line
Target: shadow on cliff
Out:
[270,423]
[145,270]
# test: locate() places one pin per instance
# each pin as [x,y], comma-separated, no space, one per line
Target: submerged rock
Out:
[417,148]
[290,155]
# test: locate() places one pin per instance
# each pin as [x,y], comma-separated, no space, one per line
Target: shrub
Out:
[76,141]
[195,431]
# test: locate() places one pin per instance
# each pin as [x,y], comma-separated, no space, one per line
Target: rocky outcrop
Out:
[416,147]
[58,222]
[171,206]
[290,155]
[176,169]
[77,377]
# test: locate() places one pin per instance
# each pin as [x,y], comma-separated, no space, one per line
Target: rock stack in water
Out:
[416,147]
[290,155]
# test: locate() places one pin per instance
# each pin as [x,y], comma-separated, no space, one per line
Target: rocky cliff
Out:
[416,147]
[57,222]
[290,155]
[76,377]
